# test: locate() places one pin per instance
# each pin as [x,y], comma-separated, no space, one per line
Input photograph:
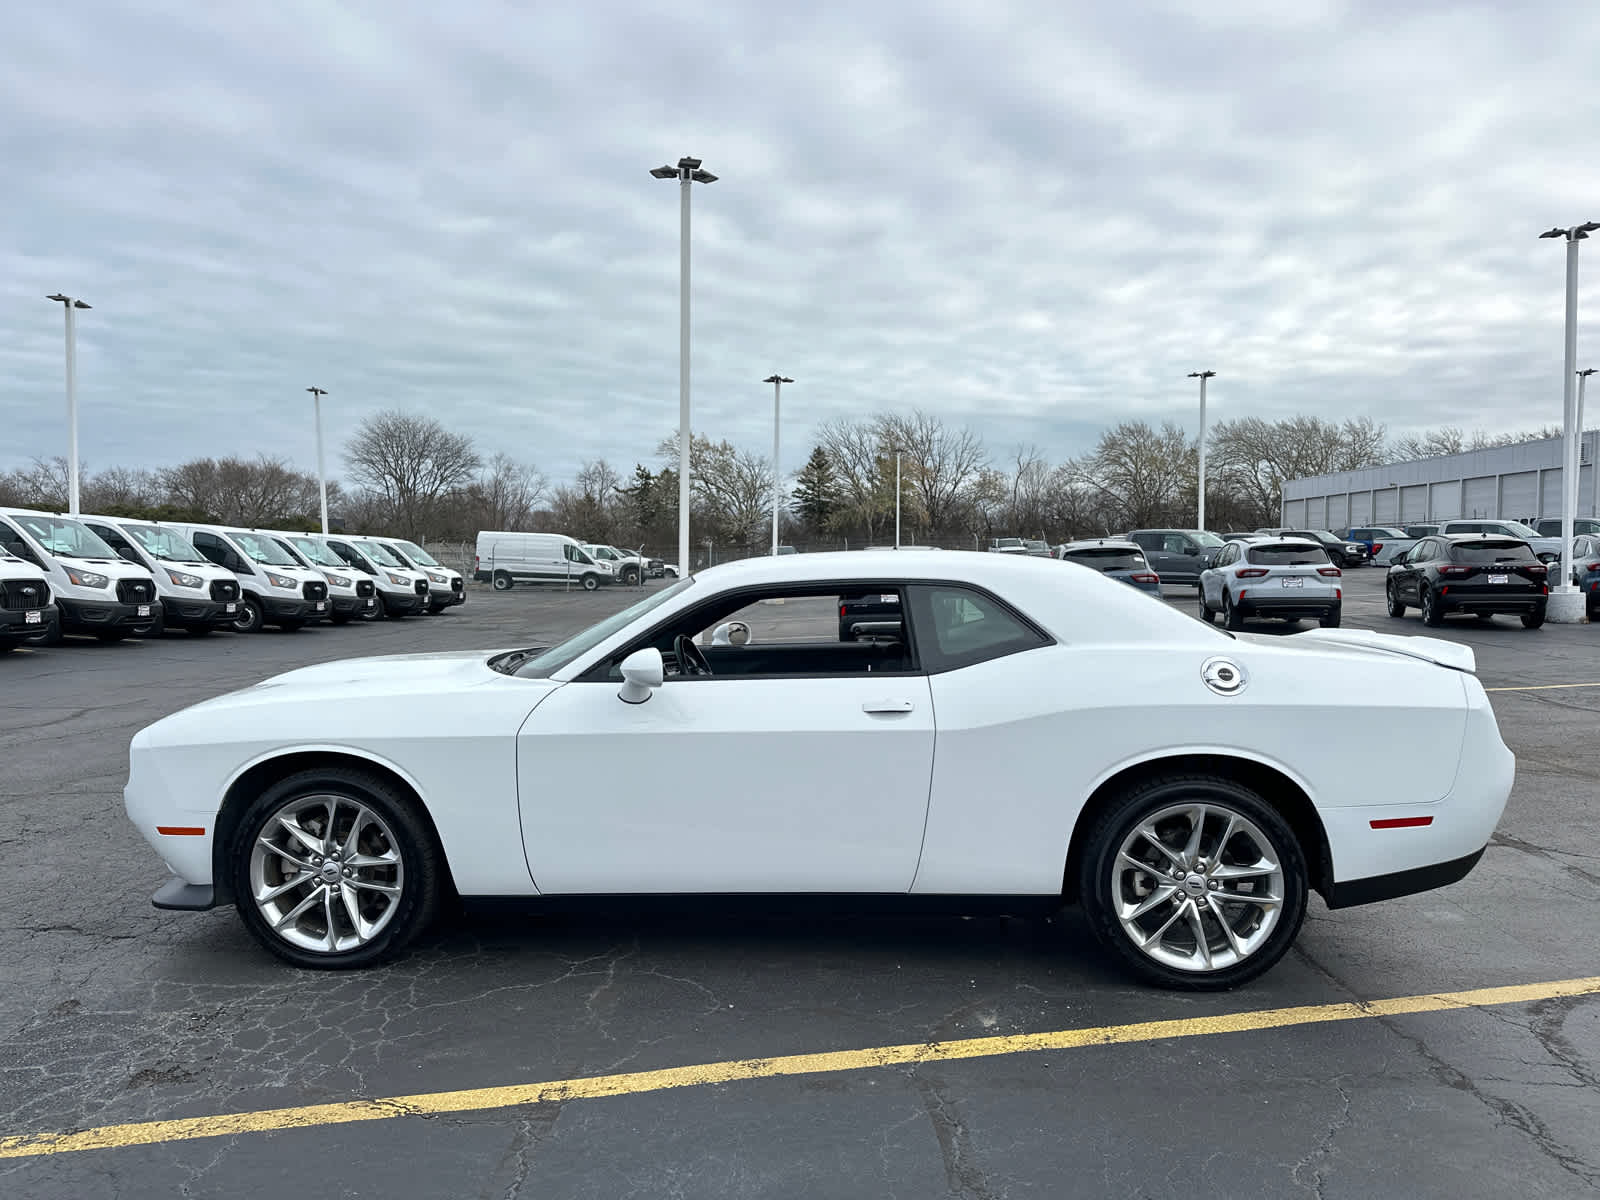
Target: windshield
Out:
[1519,529]
[264,550]
[556,657]
[164,544]
[60,536]
[1108,558]
[380,553]
[316,552]
[418,555]
[1206,539]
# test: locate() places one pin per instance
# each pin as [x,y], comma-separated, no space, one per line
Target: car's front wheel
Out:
[1397,606]
[334,869]
[590,582]
[249,617]
[1194,882]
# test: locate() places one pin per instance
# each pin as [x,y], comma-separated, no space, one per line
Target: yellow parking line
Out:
[147,1133]
[1542,687]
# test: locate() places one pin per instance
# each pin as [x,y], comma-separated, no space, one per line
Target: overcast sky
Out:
[1031,217]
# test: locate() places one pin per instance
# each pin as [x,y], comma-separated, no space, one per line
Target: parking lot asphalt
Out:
[114,1013]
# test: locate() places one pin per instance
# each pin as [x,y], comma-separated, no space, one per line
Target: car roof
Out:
[1107,543]
[1478,536]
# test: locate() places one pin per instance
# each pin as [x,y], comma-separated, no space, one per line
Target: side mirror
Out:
[642,673]
[1191,551]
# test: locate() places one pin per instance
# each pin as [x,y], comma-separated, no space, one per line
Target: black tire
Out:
[51,636]
[630,577]
[1392,595]
[1533,620]
[1100,884]
[590,582]
[7,644]
[1432,610]
[249,617]
[1206,613]
[503,581]
[436,609]
[1232,618]
[422,869]
[153,630]
[1332,618]
[393,614]
[375,613]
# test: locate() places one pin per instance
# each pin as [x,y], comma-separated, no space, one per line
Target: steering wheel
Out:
[691,659]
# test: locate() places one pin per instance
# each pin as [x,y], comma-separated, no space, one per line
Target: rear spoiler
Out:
[1434,650]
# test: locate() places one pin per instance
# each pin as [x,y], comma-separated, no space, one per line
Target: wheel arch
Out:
[1272,783]
[250,781]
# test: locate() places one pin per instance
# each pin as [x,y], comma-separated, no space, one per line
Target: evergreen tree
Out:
[816,494]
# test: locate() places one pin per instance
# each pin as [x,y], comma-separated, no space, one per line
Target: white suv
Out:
[1284,577]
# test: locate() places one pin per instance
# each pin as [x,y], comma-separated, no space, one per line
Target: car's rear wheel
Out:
[1231,616]
[334,869]
[502,581]
[1194,882]
[1397,607]
[1432,610]
[1533,620]
[1332,618]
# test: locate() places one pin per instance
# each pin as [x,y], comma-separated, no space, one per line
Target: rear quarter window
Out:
[960,627]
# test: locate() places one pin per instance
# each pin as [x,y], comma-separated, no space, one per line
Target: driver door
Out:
[810,774]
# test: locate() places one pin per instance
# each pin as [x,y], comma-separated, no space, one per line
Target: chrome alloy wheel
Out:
[326,873]
[1197,887]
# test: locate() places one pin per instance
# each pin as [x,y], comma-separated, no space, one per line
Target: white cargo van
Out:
[401,591]
[26,613]
[445,586]
[98,595]
[505,559]
[350,594]
[276,589]
[196,596]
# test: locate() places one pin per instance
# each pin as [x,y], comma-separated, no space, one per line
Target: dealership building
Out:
[1519,483]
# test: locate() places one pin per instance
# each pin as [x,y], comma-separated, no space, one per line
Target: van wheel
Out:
[630,577]
[248,618]
[590,582]
[502,581]
[375,613]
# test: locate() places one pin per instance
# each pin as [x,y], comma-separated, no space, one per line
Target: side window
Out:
[957,627]
[210,547]
[14,542]
[349,556]
[117,542]
[574,555]
[1148,541]
[1174,543]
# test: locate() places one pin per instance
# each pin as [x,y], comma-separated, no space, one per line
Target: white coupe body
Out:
[942,765]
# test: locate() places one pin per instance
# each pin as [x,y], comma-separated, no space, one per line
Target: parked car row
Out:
[505,558]
[115,577]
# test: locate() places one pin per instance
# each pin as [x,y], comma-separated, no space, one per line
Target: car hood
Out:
[1360,641]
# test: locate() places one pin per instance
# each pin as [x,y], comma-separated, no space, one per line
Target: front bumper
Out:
[198,612]
[403,602]
[93,616]
[14,621]
[292,608]
[352,605]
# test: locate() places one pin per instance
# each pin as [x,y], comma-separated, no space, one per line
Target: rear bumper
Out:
[177,895]
[1292,606]
[92,616]
[1521,602]
[1397,883]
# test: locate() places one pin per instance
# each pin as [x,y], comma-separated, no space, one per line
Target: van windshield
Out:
[316,551]
[418,555]
[165,544]
[380,553]
[61,536]
[531,664]
[264,550]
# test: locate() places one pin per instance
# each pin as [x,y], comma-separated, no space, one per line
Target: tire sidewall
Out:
[591,583]
[422,862]
[502,582]
[250,608]
[1095,884]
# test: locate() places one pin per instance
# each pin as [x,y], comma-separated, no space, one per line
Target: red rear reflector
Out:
[1402,822]
[1594,566]
[181,830]
[1376,546]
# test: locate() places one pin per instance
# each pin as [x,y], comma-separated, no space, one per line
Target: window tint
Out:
[1174,543]
[957,627]
[1508,551]
[1108,558]
[1287,555]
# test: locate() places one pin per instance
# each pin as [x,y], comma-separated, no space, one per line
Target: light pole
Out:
[1202,376]
[1566,602]
[322,478]
[897,497]
[69,304]
[687,173]
[777,381]
[1594,467]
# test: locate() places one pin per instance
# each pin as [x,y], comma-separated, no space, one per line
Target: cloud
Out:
[1030,218]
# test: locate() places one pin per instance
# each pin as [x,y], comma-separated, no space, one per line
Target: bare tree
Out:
[415,462]
[237,491]
[1254,457]
[731,487]
[503,496]
[1143,472]
[854,448]
[942,463]
[1448,439]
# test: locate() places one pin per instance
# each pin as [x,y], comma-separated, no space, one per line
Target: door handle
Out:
[887,706]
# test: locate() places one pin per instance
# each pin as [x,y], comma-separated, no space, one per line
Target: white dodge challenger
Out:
[995,732]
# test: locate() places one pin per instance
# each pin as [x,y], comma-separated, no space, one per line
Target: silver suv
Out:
[1285,578]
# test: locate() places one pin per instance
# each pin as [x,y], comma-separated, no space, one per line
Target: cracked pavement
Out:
[113,1012]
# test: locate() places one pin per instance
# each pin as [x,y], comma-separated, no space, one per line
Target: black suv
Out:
[871,617]
[1481,574]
